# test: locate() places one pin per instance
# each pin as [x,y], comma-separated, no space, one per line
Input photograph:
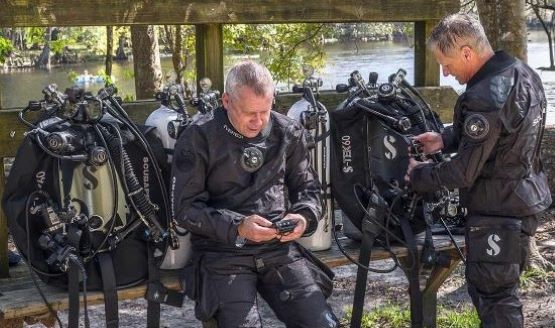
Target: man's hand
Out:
[431,142]
[257,229]
[412,164]
[299,228]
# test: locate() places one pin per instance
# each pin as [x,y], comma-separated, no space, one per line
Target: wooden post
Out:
[210,54]
[426,69]
[4,271]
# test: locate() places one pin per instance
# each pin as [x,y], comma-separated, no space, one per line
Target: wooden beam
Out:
[3,228]
[426,69]
[124,12]
[210,54]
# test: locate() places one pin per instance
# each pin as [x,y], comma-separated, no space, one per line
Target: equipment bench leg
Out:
[429,294]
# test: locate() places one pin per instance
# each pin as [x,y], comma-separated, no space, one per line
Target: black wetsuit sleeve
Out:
[474,150]
[190,197]
[302,182]
[450,140]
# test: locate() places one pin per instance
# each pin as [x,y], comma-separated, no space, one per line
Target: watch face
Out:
[240,241]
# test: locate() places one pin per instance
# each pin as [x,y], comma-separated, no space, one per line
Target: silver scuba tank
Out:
[162,119]
[301,111]
[167,124]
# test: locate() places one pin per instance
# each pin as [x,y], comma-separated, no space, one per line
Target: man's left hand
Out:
[299,228]
[412,164]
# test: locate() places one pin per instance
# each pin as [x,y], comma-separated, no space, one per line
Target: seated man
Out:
[233,177]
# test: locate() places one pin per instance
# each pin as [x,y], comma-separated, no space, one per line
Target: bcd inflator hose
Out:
[145,209]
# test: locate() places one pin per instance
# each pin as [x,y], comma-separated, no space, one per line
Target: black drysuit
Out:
[212,192]
[496,132]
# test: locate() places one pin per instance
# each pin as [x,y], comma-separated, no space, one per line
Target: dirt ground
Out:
[538,296]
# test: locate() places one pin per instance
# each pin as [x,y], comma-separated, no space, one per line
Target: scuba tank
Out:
[315,118]
[169,120]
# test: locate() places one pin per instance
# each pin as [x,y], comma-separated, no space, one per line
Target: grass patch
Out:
[533,277]
[397,316]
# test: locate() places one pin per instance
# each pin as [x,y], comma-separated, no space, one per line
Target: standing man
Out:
[497,129]
[234,176]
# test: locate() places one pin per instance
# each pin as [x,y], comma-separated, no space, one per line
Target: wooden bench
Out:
[20,300]
[12,132]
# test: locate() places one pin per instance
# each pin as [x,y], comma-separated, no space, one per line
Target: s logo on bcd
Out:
[88,174]
[494,249]
[388,142]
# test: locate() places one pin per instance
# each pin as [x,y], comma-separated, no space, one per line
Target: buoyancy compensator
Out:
[314,116]
[372,141]
[372,134]
[85,201]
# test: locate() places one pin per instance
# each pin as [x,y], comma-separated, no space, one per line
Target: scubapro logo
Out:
[347,155]
[388,142]
[494,249]
[146,175]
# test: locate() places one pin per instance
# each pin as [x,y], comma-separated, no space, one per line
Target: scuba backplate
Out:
[85,201]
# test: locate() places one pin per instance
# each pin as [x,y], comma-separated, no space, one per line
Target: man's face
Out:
[457,63]
[248,112]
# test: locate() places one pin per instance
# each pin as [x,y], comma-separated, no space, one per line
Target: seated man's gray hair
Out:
[249,74]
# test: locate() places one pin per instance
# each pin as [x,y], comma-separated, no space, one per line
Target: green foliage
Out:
[58,46]
[127,98]
[396,316]
[283,48]
[128,74]
[368,31]
[533,276]
[458,318]
[6,47]
[34,35]
[72,75]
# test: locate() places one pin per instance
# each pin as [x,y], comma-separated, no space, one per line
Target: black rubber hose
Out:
[135,190]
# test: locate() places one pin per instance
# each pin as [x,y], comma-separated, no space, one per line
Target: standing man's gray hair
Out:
[458,30]
[249,74]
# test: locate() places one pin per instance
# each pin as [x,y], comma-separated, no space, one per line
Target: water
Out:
[385,58]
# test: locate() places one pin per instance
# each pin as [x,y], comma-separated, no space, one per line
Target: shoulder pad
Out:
[500,86]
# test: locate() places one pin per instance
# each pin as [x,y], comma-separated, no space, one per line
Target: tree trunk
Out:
[120,53]
[177,56]
[146,61]
[505,25]
[109,49]
[44,59]
[547,31]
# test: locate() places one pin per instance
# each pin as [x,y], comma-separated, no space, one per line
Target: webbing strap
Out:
[412,273]
[73,298]
[109,289]
[153,308]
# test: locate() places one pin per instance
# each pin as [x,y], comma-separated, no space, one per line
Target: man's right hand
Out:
[257,229]
[431,142]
